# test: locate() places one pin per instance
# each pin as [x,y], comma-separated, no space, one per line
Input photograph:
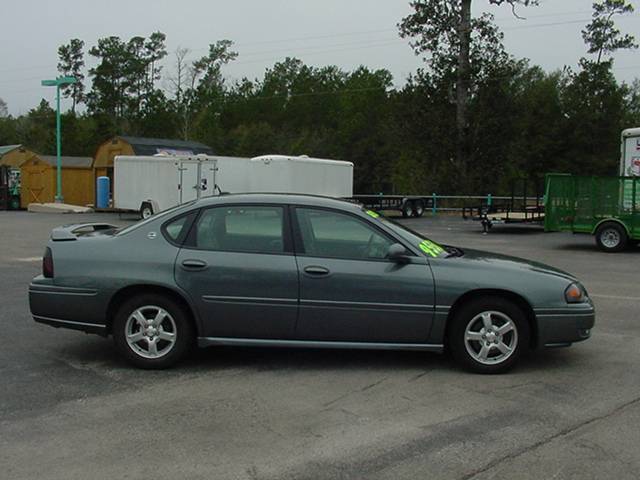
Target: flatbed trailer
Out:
[606,207]
[520,208]
[408,205]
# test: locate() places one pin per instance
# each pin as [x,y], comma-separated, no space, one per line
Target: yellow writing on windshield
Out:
[431,248]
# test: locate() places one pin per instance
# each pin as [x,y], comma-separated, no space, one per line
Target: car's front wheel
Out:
[151,331]
[488,335]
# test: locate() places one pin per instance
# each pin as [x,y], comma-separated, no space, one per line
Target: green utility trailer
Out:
[607,207]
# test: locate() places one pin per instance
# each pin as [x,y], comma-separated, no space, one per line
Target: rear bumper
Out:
[560,327]
[65,307]
[82,326]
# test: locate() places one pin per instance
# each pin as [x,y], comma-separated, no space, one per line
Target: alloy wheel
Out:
[491,337]
[150,332]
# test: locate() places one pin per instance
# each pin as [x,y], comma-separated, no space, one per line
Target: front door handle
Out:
[316,271]
[192,264]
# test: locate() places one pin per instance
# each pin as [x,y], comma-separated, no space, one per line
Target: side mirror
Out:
[397,253]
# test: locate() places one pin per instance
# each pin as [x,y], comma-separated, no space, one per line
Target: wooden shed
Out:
[38,176]
[124,145]
[15,155]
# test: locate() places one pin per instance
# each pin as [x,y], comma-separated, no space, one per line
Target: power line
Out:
[362,32]
[358,42]
[367,32]
[344,91]
[314,51]
[320,52]
[18,80]
[546,15]
[297,52]
[269,59]
[542,25]
[314,37]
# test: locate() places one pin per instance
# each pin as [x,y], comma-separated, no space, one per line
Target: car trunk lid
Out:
[67,233]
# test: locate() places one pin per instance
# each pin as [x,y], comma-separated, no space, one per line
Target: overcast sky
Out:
[346,33]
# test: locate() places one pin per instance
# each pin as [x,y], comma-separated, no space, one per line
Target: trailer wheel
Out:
[418,210]
[611,237]
[407,209]
[146,210]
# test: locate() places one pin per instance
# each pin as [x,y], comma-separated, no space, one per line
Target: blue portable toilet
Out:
[103,186]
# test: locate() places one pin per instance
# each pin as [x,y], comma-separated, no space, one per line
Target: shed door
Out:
[35,184]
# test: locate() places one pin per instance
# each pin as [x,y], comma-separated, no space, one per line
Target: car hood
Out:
[514,264]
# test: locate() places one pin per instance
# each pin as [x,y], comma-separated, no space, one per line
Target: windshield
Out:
[428,246]
[164,213]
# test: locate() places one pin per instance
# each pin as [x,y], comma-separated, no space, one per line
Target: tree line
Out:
[470,121]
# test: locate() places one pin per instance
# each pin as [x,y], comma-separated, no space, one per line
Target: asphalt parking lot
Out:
[71,409]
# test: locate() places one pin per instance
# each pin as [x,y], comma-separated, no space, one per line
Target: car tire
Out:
[488,335]
[407,209]
[418,209]
[147,320]
[611,237]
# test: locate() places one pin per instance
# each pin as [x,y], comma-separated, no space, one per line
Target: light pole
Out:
[58,82]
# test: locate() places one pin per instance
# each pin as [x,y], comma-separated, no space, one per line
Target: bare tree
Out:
[182,86]
[179,79]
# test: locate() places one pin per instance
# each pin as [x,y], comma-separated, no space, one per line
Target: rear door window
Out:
[258,229]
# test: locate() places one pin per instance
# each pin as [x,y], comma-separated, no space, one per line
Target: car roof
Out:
[283,198]
[248,198]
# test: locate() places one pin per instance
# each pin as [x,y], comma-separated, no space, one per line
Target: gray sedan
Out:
[299,271]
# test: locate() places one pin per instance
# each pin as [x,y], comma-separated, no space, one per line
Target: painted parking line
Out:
[614,297]
[28,259]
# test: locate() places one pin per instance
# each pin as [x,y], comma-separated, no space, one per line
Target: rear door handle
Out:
[192,264]
[316,271]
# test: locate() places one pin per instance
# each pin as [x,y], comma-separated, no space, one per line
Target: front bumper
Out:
[564,326]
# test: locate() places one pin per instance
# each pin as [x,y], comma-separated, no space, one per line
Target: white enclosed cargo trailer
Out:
[153,184]
[313,176]
[630,153]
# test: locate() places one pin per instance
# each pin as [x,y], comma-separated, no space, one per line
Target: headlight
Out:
[575,293]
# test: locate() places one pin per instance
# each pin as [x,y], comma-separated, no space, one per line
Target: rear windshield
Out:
[428,246]
[154,217]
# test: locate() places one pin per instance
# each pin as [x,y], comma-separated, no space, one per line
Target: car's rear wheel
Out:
[611,237]
[151,331]
[488,335]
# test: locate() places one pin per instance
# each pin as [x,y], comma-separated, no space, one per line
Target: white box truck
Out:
[152,184]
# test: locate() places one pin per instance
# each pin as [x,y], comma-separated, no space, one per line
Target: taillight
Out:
[47,263]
